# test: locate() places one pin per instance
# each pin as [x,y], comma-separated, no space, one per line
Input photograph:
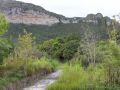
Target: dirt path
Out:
[44,83]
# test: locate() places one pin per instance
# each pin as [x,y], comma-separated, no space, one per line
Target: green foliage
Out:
[7,80]
[24,49]
[118,37]
[112,62]
[75,77]
[102,59]
[107,55]
[61,48]
[25,45]
[35,66]
[43,33]
[5,45]
[12,71]
[70,49]
[94,65]
[3,24]
[88,52]
[22,62]
[6,48]
[110,50]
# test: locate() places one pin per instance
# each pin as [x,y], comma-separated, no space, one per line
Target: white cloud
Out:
[79,8]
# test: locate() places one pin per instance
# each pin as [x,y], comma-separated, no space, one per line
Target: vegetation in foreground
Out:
[83,74]
[20,60]
[95,66]
[92,63]
[75,77]
[19,69]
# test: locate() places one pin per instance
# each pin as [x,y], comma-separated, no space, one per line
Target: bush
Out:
[61,48]
[35,66]
[6,47]
[77,78]
[3,24]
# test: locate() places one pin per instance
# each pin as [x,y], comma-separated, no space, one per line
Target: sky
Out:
[79,8]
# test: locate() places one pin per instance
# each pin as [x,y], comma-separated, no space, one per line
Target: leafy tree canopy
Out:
[63,48]
[3,24]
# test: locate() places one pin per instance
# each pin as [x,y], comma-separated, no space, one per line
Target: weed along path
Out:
[45,82]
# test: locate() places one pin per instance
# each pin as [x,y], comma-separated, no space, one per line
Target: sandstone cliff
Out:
[26,13]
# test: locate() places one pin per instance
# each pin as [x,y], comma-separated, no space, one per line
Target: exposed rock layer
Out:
[26,13]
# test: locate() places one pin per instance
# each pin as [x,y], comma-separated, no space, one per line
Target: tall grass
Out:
[24,62]
[76,77]
[15,70]
[39,65]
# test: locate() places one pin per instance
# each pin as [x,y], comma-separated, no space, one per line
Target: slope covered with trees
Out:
[48,32]
[88,54]
[95,66]
[20,60]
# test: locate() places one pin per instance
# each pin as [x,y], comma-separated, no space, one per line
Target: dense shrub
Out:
[6,47]
[3,24]
[61,48]
[75,77]
[35,66]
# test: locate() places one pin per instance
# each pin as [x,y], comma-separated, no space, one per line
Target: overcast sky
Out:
[80,8]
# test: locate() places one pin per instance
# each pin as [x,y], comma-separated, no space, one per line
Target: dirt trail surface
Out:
[44,83]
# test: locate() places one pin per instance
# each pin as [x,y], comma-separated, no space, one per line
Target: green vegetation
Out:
[101,75]
[5,44]
[43,33]
[6,47]
[90,61]
[12,71]
[62,48]
[22,60]
[75,77]
[3,24]
[95,66]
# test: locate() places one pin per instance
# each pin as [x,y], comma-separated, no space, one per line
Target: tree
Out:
[25,47]
[5,45]
[3,24]
[62,48]
[88,50]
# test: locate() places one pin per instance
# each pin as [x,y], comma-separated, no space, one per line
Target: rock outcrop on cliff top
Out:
[26,13]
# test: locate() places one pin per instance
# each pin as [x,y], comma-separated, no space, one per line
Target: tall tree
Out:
[3,24]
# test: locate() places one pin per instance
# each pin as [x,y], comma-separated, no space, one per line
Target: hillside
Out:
[42,50]
[45,24]
[26,13]
[45,32]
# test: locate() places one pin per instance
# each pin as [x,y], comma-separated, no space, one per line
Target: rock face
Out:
[16,15]
[18,12]
[93,18]
[26,13]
